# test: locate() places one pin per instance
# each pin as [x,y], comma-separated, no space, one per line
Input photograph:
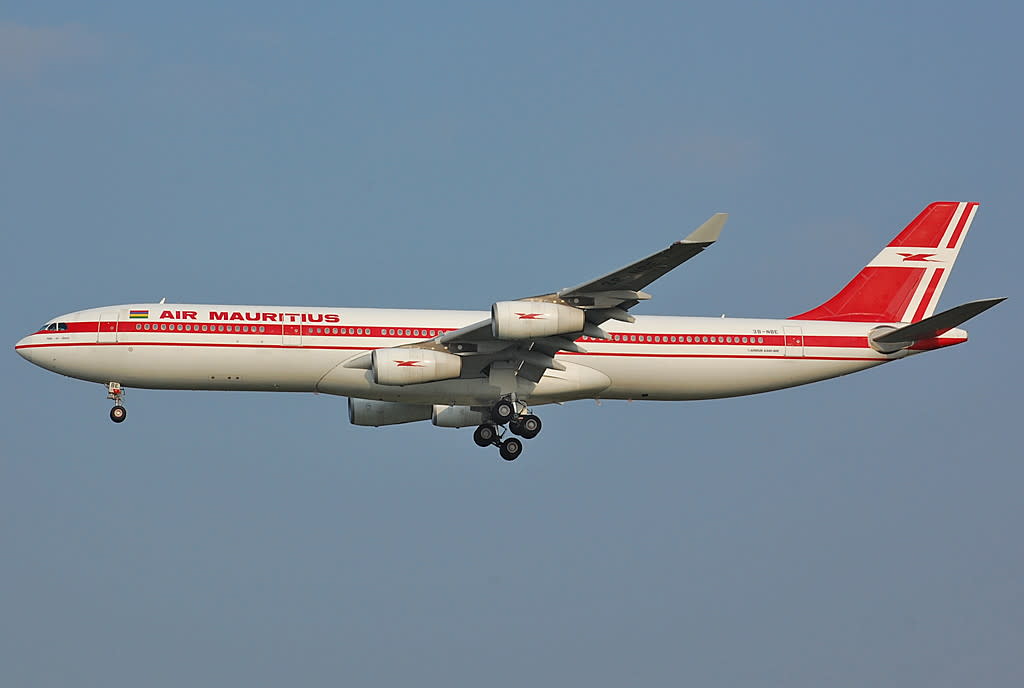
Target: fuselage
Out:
[306,349]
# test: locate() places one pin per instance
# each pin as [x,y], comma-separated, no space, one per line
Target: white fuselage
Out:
[270,348]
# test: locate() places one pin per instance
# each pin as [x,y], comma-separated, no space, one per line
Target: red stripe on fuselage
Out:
[632,338]
[624,354]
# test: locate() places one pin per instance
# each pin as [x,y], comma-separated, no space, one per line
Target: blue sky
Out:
[858,531]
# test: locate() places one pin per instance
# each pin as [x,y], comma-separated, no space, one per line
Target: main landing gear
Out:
[519,421]
[114,392]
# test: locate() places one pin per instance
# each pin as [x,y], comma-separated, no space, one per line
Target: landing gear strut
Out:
[116,394]
[520,422]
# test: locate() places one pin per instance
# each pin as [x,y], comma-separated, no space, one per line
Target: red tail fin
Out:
[904,281]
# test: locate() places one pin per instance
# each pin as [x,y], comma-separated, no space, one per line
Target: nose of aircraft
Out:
[23,350]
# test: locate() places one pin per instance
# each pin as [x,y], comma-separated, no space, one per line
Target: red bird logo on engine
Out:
[530,316]
[409,364]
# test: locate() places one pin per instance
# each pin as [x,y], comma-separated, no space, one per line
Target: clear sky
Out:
[861,531]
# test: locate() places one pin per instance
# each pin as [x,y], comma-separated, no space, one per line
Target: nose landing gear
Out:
[114,392]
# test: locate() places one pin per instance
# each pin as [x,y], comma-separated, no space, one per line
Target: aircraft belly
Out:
[214,368]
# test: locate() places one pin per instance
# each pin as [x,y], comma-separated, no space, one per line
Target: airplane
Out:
[466,368]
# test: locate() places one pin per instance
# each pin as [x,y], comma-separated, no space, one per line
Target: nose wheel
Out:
[114,392]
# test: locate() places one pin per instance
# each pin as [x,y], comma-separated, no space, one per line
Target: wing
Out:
[608,297]
[620,290]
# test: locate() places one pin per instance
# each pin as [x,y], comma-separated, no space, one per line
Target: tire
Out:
[118,414]
[502,411]
[529,426]
[511,449]
[485,435]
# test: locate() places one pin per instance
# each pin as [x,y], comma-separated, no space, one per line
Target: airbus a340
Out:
[487,370]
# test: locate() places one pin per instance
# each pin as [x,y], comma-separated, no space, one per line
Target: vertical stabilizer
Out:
[904,281]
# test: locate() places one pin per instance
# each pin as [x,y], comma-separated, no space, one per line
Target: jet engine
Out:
[367,412]
[456,416]
[412,366]
[534,319]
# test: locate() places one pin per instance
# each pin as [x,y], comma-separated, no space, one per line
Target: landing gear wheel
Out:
[529,426]
[485,435]
[502,411]
[510,449]
[118,414]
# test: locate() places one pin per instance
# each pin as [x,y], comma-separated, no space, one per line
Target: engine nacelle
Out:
[376,413]
[534,319]
[414,366]
[456,416]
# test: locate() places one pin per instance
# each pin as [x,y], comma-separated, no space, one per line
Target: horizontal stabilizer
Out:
[937,324]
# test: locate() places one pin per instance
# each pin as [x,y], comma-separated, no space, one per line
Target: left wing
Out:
[609,296]
[527,333]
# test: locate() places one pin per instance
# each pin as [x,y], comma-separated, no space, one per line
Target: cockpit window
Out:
[62,327]
[51,327]
[54,327]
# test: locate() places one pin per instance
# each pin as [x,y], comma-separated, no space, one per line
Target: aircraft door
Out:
[106,331]
[291,334]
[794,342]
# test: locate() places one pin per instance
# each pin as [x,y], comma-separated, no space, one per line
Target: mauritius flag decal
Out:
[133,314]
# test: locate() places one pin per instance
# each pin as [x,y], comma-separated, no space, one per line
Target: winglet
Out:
[708,232]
